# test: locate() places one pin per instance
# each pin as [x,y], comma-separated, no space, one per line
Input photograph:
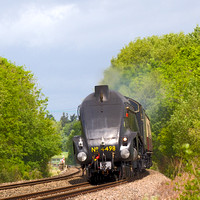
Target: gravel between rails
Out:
[43,186]
[152,185]
[149,187]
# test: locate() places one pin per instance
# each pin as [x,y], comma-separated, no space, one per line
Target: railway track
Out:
[66,192]
[35,182]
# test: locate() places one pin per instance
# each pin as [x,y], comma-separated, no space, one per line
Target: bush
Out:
[192,185]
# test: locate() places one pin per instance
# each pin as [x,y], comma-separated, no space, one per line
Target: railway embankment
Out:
[151,185]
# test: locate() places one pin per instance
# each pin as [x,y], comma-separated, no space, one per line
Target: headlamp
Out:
[124,141]
[81,156]
[125,153]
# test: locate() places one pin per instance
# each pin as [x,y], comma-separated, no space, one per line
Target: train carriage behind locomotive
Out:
[116,135]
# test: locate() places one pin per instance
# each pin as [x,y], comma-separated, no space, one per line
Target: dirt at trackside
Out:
[151,185]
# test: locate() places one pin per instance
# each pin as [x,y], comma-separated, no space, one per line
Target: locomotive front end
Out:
[115,135]
[108,144]
[101,116]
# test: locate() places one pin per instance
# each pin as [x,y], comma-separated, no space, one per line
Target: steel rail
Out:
[47,192]
[39,181]
[81,191]
[66,192]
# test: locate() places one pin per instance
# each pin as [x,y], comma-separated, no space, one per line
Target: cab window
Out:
[131,121]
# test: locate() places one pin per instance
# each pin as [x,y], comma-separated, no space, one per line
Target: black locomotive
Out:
[116,137]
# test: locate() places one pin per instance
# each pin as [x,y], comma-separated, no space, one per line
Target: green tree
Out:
[28,139]
[64,119]
[66,130]
[76,130]
[163,74]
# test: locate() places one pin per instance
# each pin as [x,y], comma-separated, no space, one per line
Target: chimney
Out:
[101,93]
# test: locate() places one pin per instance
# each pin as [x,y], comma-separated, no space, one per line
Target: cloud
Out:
[34,25]
[77,25]
[85,24]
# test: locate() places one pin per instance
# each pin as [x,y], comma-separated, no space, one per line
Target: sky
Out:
[67,44]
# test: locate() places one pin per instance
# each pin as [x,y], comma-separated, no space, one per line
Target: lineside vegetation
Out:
[163,74]
[28,138]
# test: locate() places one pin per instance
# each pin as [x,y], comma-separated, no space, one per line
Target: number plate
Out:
[107,148]
[105,165]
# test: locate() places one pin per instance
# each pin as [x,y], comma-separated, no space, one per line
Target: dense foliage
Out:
[27,137]
[163,74]
[70,126]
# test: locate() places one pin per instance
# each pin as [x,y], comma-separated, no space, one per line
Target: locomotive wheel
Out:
[139,167]
[93,179]
[116,177]
[96,178]
[122,172]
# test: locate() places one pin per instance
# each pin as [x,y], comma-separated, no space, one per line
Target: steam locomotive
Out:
[116,139]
